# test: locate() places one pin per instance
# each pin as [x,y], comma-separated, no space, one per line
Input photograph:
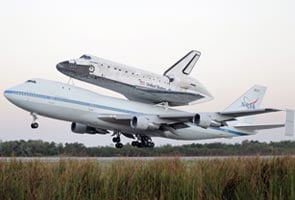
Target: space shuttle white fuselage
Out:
[175,86]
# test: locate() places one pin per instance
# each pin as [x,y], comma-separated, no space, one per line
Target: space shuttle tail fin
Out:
[185,65]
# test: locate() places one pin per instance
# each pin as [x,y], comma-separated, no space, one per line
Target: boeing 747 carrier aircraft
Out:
[175,87]
[92,113]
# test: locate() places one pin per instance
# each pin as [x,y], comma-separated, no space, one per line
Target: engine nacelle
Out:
[142,123]
[202,120]
[82,128]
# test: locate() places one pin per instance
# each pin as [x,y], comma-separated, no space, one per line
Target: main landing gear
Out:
[143,141]
[117,140]
[34,124]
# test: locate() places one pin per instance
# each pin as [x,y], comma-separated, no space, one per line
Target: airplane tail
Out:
[250,100]
[185,65]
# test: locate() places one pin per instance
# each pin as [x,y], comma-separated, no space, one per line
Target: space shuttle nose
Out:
[60,66]
[63,66]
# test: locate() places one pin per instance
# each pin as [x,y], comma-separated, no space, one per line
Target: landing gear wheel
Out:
[150,144]
[140,145]
[143,141]
[116,139]
[135,143]
[119,145]
[34,125]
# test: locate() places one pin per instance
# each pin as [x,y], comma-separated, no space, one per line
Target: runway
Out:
[110,159]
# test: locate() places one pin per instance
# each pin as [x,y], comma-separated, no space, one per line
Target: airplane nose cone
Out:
[7,94]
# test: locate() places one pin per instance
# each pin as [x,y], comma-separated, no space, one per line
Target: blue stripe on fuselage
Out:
[69,101]
[229,131]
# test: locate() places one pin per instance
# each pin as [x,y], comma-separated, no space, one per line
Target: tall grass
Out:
[244,178]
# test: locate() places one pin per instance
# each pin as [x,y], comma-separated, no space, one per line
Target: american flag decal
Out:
[141,82]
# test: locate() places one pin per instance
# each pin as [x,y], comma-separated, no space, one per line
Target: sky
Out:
[242,43]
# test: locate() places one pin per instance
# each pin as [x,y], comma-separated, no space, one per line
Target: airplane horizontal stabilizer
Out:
[259,127]
[289,131]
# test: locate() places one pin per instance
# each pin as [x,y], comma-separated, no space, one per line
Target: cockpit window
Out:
[86,57]
[30,81]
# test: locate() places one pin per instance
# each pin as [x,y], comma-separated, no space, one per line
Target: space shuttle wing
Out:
[155,96]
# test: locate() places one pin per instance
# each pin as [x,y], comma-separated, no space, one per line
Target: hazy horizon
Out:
[242,44]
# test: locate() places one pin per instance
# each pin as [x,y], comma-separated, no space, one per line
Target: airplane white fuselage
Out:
[67,102]
[135,84]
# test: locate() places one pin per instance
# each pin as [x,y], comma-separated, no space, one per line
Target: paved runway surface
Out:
[110,159]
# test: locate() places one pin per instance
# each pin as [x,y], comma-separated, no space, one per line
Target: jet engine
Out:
[82,128]
[204,121]
[142,123]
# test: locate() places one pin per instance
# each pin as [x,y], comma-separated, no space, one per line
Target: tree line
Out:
[43,148]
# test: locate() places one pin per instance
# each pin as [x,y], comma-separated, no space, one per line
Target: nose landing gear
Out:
[34,124]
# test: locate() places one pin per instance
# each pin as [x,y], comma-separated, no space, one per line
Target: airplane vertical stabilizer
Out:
[250,100]
[185,65]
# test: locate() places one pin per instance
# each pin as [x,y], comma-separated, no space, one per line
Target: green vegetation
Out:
[40,148]
[244,178]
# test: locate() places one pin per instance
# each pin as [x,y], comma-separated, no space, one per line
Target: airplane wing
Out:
[243,113]
[247,105]
[115,118]
[182,117]
[218,116]
[214,118]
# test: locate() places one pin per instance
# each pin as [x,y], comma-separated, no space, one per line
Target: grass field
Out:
[244,178]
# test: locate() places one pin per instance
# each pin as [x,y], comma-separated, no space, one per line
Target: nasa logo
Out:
[248,103]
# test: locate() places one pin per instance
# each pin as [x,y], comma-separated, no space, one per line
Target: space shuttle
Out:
[173,88]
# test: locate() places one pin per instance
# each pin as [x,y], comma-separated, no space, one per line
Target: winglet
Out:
[289,125]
